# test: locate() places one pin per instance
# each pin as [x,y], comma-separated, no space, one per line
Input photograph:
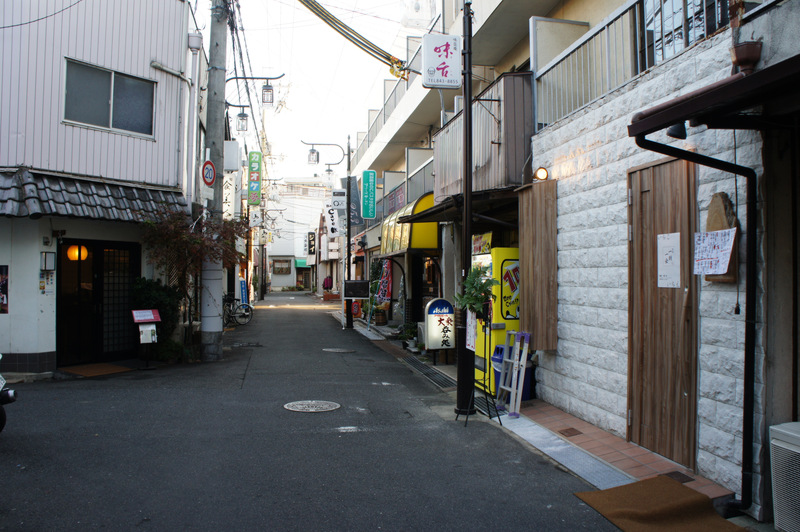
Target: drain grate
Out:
[338,350]
[437,377]
[485,407]
[570,432]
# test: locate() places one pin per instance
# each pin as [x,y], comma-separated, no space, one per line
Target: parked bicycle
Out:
[235,313]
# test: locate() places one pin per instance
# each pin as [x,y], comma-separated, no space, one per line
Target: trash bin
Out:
[497,365]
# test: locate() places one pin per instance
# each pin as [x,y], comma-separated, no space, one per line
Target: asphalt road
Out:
[211,446]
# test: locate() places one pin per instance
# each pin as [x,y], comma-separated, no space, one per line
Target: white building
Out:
[99,127]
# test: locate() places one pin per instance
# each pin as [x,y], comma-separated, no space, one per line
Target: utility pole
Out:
[348,311]
[211,289]
[465,388]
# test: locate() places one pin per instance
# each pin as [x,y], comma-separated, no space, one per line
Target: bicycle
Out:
[234,313]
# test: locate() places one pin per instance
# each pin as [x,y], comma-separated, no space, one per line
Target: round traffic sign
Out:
[209,173]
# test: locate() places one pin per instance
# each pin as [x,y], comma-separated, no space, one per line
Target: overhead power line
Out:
[396,66]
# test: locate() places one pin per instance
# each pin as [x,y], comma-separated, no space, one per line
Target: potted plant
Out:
[476,294]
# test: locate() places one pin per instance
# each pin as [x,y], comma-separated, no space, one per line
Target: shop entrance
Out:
[662,368]
[93,311]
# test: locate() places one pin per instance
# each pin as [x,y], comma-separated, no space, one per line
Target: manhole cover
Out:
[338,350]
[311,406]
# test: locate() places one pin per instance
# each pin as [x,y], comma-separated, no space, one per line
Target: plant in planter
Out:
[477,291]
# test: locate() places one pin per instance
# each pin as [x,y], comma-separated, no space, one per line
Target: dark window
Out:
[109,99]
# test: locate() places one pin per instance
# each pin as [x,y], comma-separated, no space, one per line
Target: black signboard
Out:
[356,289]
[312,239]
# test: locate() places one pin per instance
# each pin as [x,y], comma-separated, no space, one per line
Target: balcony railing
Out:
[638,35]
[420,183]
[377,123]
[502,129]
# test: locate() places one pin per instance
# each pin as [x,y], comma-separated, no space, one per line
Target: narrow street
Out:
[211,446]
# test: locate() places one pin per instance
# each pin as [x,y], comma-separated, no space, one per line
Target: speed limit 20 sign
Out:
[209,173]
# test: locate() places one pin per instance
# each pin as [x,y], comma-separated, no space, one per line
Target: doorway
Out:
[662,365]
[93,310]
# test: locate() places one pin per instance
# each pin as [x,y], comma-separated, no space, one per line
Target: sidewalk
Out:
[599,457]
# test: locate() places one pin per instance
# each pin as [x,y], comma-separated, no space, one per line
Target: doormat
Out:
[658,504]
[94,370]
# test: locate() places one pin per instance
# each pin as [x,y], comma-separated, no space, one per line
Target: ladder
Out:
[512,376]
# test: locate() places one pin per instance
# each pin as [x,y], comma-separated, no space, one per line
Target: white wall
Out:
[30,325]
[589,154]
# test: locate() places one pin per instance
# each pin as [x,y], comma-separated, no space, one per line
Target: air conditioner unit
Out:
[785,449]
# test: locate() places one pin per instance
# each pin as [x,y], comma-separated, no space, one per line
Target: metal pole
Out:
[465,388]
[211,294]
[348,311]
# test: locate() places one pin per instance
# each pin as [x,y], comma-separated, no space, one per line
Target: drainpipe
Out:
[195,45]
[750,301]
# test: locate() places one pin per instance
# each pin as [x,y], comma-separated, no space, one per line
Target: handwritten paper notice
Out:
[669,260]
[712,251]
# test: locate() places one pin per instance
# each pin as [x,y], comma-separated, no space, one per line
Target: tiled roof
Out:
[31,194]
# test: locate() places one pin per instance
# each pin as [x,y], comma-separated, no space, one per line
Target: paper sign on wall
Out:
[712,251]
[669,260]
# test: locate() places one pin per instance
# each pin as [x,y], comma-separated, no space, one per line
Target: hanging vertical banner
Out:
[441,61]
[355,205]
[254,178]
[368,185]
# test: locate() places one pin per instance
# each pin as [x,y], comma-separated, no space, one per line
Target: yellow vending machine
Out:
[503,314]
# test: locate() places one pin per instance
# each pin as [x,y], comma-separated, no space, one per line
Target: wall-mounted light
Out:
[313,156]
[241,121]
[541,174]
[47,261]
[267,94]
[77,253]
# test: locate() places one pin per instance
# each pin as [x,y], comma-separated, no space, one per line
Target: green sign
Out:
[254,178]
[368,182]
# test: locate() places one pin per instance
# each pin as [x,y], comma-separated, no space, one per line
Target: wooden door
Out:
[662,376]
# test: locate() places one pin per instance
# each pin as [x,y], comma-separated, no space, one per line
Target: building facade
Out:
[99,130]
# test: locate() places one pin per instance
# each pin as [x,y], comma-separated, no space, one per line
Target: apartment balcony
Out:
[502,128]
[630,40]
[413,109]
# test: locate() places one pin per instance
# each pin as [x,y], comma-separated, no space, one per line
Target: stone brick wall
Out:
[589,153]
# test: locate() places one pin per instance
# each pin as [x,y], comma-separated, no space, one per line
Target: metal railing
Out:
[420,183]
[388,108]
[635,37]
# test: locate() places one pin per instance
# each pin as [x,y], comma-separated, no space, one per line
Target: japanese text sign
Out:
[441,61]
[368,186]
[254,178]
[712,251]
[439,325]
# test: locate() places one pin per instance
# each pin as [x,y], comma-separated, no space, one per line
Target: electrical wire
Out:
[41,18]
[397,67]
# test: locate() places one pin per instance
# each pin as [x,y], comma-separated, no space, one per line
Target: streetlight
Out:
[313,158]
[267,98]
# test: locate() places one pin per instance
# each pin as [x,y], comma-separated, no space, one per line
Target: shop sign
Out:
[254,178]
[441,61]
[332,218]
[509,292]
[439,325]
[312,243]
[482,244]
[339,199]
[368,186]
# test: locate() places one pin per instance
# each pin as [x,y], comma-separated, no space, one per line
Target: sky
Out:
[327,88]
[329,84]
